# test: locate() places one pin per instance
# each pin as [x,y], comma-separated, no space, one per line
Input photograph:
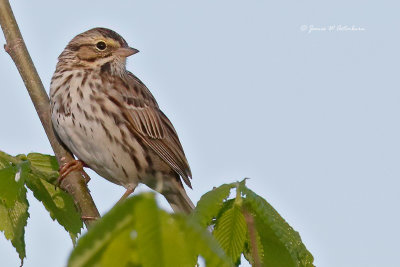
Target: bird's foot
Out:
[128,191]
[75,165]
[89,217]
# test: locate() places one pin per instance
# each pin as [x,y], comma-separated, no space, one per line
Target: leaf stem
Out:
[16,48]
[252,235]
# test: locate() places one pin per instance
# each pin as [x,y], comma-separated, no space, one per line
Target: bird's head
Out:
[98,48]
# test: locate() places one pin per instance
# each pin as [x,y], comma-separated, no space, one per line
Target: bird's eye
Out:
[101,45]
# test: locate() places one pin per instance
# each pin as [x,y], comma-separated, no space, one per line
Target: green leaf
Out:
[11,184]
[160,241]
[13,219]
[253,251]
[91,246]
[248,250]
[141,234]
[176,244]
[6,160]
[122,247]
[44,165]
[39,177]
[38,172]
[202,242]
[13,203]
[150,240]
[282,245]
[59,204]
[230,232]
[211,203]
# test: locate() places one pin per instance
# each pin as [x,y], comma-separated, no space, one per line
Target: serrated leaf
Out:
[160,241]
[91,246]
[254,251]
[230,231]
[167,240]
[11,184]
[281,244]
[177,252]
[202,242]
[13,219]
[46,165]
[13,203]
[6,160]
[152,237]
[122,247]
[211,203]
[148,227]
[38,171]
[59,204]
[248,250]
[228,204]
[40,179]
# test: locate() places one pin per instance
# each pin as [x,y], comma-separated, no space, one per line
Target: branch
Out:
[15,47]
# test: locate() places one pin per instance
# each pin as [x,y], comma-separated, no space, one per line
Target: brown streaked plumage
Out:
[110,121]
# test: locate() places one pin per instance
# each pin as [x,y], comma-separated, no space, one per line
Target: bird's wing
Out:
[141,110]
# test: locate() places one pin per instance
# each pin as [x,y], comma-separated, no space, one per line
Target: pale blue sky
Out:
[311,118]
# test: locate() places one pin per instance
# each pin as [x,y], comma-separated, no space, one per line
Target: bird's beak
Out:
[126,51]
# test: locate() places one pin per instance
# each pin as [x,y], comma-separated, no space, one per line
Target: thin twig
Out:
[15,47]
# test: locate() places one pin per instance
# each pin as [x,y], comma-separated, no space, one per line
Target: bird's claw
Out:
[67,168]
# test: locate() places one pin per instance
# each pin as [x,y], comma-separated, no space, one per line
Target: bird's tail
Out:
[173,191]
[179,200]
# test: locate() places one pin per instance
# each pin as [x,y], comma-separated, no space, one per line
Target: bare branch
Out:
[15,47]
